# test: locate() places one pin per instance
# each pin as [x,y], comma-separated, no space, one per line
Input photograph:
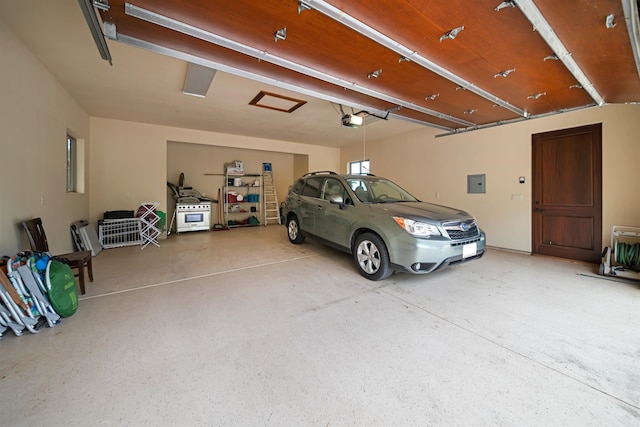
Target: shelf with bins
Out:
[242,200]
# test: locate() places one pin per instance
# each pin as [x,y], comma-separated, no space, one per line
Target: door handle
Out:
[537,210]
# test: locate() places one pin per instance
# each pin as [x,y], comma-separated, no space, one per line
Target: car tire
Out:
[371,257]
[293,231]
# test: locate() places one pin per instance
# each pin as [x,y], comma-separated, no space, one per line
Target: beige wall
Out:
[436,169]
[129,162]
[35,114]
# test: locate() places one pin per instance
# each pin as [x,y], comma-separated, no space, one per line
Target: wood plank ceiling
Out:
[403,57]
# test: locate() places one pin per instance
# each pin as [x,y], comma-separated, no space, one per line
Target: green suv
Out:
[380,224]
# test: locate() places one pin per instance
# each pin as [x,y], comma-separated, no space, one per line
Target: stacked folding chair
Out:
[25,304]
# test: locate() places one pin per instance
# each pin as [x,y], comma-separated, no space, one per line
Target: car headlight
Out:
[417,228]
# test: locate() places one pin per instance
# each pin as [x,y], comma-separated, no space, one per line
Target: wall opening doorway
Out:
[567,193]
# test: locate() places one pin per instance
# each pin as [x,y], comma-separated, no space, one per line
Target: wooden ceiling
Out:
[395,56]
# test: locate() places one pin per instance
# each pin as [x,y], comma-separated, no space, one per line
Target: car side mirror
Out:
[337,200]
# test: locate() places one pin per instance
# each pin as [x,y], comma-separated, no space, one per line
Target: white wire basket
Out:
[120,232]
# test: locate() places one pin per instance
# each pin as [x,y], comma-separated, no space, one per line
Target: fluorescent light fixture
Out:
[190,30]
[533,14]
[94,26]
[198,80]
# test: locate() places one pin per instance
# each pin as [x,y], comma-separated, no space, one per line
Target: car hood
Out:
[421,210]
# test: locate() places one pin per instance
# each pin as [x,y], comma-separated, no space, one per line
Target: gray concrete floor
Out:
[242,328]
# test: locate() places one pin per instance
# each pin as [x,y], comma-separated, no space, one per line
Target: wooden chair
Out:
[75,260]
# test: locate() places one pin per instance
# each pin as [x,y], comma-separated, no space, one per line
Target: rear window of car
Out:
[312,187]
[297,187]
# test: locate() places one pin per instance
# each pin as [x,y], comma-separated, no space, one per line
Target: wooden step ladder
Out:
[271,208]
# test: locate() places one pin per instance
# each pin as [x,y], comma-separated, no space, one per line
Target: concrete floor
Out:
[242,328]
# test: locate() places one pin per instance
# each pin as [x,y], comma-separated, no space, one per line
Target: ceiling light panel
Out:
[198,80]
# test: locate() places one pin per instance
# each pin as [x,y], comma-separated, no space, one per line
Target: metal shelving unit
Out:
[241,200]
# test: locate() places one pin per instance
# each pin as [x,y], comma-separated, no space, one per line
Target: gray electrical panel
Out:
[476,184]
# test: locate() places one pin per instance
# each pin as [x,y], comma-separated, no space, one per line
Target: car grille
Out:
[464,242]
[455,232]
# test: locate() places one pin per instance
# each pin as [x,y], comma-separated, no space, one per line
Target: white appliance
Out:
[193,216]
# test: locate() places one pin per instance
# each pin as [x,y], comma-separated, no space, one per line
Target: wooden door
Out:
[567,193]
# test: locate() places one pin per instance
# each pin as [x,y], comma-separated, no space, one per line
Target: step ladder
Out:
[270,206]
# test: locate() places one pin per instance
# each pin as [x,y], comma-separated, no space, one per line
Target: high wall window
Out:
[361,167]
[72,164]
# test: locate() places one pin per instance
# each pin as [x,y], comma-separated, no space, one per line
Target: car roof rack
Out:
[319,173]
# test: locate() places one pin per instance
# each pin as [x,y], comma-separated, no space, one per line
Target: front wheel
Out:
[371,257]
[293,231]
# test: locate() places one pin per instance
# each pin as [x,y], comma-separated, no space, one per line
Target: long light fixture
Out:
[367,31]
[198,80]
[132,41]
[261,55]
[94,26]
[533,14]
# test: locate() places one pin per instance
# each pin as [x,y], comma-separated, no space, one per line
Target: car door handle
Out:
[319,207]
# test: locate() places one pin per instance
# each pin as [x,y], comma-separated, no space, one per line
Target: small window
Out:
[72,164]
[361,167]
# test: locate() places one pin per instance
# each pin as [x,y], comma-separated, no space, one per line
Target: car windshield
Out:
[378,190]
